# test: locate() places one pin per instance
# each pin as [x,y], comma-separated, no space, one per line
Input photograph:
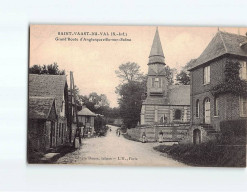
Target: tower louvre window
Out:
[160,83]
[153,82]
[157,82]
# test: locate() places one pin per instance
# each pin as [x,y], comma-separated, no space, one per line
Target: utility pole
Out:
[72,93]
[71,111]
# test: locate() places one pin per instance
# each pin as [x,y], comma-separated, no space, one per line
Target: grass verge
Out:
[126,136]
[209,154]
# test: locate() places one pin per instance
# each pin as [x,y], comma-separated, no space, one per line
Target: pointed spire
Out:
[156,53]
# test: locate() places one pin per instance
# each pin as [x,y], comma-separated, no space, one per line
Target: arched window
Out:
[177,114]
[207,111]
[197,108]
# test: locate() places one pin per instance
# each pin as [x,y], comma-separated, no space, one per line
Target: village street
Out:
[113,150]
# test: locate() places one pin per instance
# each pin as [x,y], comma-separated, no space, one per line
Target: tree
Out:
[94,102]
[183,78]
[131,91]
[51,69]
[130,102]
[129,71]
[35,69]
[169,74]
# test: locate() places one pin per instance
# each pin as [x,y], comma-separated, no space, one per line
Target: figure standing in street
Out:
[160,137]
[77,141]
[144,137]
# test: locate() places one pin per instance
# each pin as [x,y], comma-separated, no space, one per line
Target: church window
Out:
[197,108]
[178,114]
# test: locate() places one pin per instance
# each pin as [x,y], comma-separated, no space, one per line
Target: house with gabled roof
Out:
[86,119]
[164,103]
[211,110]
[44,87]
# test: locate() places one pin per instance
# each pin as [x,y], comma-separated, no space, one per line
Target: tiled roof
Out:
[40,107]
[47,86]
[222,43]
[155,101]
[179,95]
[86,112]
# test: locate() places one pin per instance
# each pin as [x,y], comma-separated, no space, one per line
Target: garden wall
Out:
[170,133]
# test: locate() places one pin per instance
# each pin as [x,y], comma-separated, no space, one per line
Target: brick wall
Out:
[168,111]
[228,103]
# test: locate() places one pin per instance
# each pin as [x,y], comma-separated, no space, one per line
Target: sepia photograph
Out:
[137,95]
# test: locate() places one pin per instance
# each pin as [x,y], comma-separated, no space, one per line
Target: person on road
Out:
[144,137]
[77,141]
[160,137]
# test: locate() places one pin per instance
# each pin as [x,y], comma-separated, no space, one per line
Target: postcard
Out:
[137,95]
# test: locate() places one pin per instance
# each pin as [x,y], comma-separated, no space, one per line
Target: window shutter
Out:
[208,74]
[244,76]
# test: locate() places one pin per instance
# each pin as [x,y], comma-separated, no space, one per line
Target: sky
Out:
[93,63]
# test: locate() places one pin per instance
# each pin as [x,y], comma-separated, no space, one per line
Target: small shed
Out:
[86,118]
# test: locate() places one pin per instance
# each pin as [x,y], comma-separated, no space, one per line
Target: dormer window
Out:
[206,75]
[243,70]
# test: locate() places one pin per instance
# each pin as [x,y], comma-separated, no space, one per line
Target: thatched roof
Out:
[221,44]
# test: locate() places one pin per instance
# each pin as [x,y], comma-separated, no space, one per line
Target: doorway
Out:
[196,136]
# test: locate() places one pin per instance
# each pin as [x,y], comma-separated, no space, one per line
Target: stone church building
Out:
[165,103]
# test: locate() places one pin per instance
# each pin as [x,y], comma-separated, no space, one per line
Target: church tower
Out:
[157,82]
